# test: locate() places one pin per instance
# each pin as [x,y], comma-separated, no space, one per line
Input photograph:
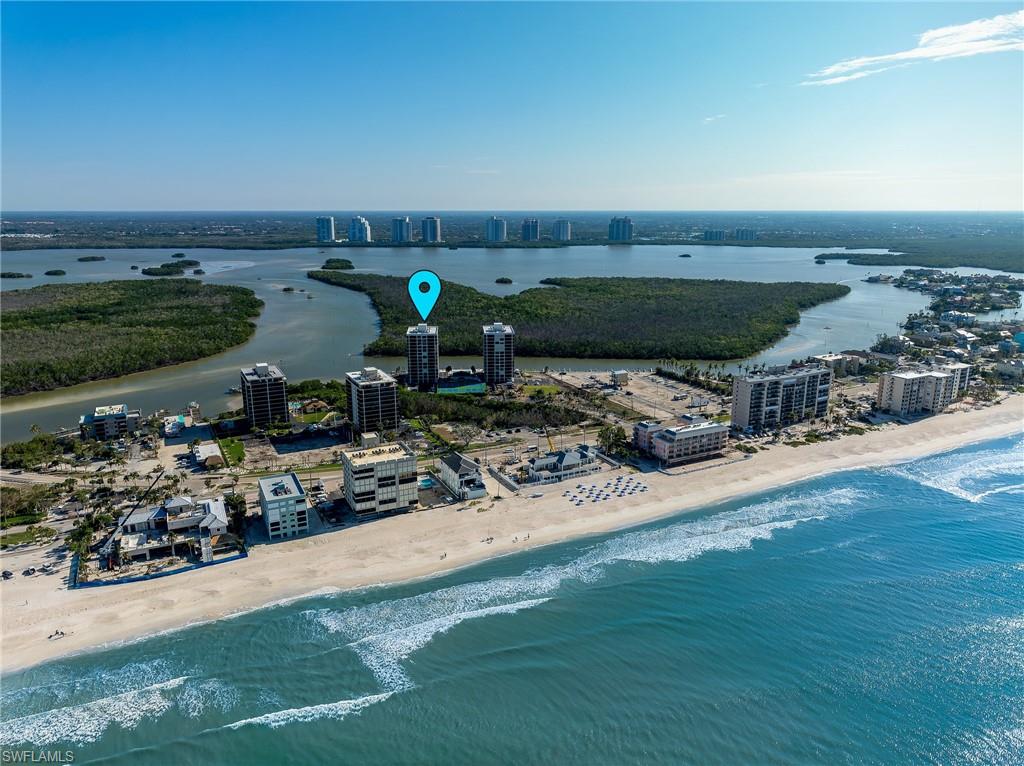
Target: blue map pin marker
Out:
[424,289]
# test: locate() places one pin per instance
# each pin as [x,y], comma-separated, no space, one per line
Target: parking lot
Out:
[648,395]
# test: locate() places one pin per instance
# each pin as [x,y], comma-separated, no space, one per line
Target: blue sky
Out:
[242,106]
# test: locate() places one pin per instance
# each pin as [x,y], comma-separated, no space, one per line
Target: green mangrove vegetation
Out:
[997,253]
[60,335]
[615,317]
[337,264]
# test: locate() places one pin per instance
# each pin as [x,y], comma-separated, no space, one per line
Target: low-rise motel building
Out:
[780,396]
[920,391]
[380,479]
[284,506]
[694,438]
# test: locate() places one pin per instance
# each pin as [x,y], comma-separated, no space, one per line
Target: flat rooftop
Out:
[369,375]
[385,452]
[110,409]
[262,371]
[281,485]
[422,329]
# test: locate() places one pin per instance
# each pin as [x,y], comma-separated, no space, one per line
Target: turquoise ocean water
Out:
[869,617]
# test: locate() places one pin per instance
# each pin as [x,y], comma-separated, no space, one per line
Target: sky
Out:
[512,106]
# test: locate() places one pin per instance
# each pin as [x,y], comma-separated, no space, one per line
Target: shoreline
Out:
[407,548]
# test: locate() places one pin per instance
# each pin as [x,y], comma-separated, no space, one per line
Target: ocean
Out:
[867,617]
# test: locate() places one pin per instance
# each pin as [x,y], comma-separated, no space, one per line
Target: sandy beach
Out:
[411,546]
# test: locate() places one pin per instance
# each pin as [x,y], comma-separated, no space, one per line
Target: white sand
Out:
[410,546]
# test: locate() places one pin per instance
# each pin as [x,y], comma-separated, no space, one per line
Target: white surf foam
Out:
[336,710]
[385,633]
[969,477]
[81,724]
[382,653]
[197,697]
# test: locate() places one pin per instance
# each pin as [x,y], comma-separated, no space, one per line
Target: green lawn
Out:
[233,449]
[30,535]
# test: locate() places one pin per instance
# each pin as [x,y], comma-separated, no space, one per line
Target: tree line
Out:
[600,317]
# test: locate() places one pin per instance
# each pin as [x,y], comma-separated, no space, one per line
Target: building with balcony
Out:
[380,480]
[780,396]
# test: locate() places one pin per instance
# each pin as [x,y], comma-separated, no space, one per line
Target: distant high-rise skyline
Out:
[430,229]
[359,230]
[769,121]
[530,230]
[561,230]
[620,229]
[325,228]
[400,229]
[497,229]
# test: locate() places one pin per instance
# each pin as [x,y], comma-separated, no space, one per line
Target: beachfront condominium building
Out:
[780,396]
[110,421]
[380,479]
[620,229]
[325,228]
[421,356]
[916,392]
[714,235]
[264,394]
[359,230]
[744,235]
[561,230]
[499,353]
[283,505]
[531,230]
[430,229]
[401,230]
[372,400]
[497,229]
[694,439]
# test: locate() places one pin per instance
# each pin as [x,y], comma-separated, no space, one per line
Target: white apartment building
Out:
[430,229]
[561,230]
[359,230]
[497,229]
[380,479]
[421,355]
[913,392]
[110,421]
[840,364]
[499,353]
[401,229]
[372,400]
[780,396]
[325,228]
[694,440]
[284,507]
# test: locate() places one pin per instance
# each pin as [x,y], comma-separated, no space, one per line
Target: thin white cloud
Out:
[713,118]
[999,33]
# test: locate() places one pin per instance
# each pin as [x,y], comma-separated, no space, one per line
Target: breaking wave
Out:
[87,722]
[384,634]
[336,710]
[971,477]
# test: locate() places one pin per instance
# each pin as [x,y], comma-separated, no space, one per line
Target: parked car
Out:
[7,574]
